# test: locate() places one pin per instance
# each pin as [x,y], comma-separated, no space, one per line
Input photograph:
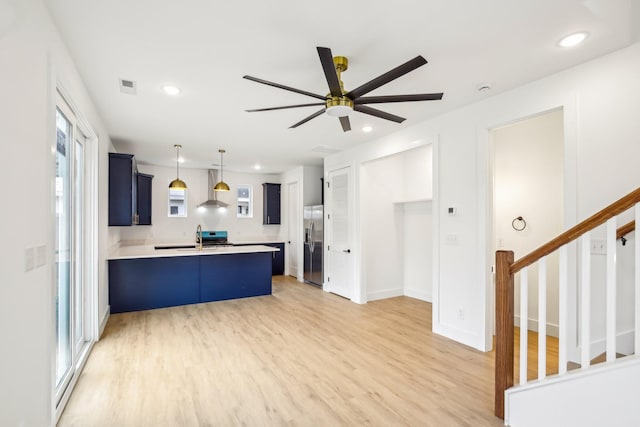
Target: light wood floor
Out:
[532,356]
[300,357]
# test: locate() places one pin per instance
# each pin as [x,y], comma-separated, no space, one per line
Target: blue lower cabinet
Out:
[235,276]
[277,258]
[145,283]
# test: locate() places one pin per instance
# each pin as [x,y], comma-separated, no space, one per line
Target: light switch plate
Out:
[29,259]
[41,255]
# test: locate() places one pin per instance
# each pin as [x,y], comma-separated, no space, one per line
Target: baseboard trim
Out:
[418,294]
[552,328]
[103,322]
[386,293]
[624,344]
[462,336]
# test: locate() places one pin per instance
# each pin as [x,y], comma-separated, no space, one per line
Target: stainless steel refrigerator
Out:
[313,248]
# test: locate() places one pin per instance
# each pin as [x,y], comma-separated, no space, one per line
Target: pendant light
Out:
[178,184]
[221,186]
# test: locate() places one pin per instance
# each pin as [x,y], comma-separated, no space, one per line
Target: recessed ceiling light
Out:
[367,129]
[573,39]
[257,167]
[171,90]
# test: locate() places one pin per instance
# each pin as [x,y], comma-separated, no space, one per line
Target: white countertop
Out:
[148,251]
[256,241]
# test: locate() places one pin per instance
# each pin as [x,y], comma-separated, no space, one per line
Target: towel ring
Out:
[519,224]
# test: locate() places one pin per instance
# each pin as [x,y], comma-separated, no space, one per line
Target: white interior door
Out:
[294,229]
[340,262]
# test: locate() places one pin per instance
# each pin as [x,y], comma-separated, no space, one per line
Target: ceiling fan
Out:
[339,103]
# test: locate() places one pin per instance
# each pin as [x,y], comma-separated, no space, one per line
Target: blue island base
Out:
[146,283]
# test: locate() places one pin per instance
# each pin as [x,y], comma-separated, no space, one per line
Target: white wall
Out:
[172,229]
[600,106]
[528,182]
[33,57]
[602,396]
[312,191]
[382,227]
[418,250]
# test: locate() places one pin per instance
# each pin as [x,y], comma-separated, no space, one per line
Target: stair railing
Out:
[507,268]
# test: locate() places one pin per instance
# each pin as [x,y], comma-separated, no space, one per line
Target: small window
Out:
[177,203]
[245,201]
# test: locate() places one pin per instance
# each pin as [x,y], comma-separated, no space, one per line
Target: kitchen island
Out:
[142,277]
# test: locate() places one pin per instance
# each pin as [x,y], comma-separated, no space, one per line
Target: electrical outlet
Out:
[460,313]
[598,246]
[452,239]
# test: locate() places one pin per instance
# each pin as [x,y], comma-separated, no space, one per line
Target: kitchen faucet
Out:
[199,236]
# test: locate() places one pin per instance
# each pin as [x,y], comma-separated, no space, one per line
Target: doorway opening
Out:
[396,220]
[529,201]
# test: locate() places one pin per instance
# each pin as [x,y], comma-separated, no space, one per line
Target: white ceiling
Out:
[205,47]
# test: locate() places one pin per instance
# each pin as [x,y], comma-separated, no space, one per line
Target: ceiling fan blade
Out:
[326,59]
[292,89]
[378,113]
[346,124]
[385,78]
[398,98]
[305,120]
[284,107]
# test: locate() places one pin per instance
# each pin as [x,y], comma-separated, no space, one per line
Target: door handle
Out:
[348,251]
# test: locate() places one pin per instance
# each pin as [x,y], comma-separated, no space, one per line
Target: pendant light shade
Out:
[178,184]
[221,186]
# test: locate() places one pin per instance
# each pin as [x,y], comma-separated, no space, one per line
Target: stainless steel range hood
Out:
[213,197]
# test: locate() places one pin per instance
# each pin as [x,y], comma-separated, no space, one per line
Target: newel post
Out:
[504,328]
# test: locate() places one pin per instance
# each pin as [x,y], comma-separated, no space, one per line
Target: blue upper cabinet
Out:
[122,170]
[129,192]
[143,182]
[271,203]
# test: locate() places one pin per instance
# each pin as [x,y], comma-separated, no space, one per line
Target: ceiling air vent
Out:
[127,86]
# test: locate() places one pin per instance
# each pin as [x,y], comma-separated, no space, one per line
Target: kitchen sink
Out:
[174,247]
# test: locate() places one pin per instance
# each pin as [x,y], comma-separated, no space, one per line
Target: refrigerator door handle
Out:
[311,241]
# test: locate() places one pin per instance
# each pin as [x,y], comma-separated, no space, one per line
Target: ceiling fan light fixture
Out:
[339,111]
[339,102]
[339,106]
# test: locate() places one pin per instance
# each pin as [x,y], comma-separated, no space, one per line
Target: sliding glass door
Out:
[71,301]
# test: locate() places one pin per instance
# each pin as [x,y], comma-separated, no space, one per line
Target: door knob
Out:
[347,251]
